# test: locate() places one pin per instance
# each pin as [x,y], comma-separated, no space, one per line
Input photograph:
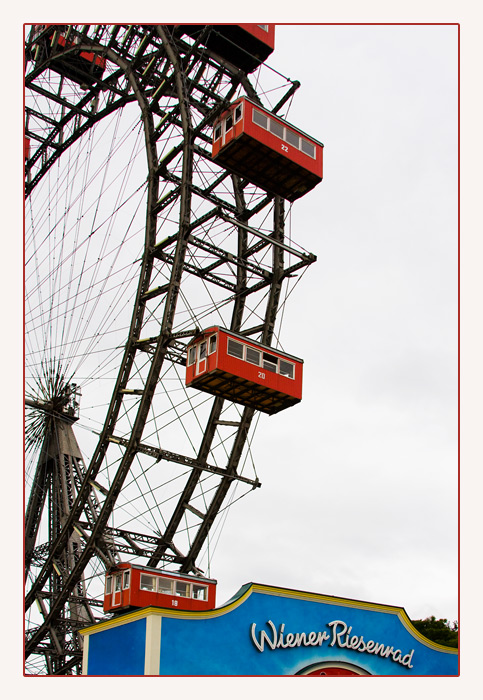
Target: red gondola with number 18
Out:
[133,586]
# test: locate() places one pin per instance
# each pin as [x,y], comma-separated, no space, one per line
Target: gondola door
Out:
[201,358]
[116,589]
[227,129]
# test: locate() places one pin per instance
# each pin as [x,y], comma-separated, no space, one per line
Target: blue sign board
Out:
[266,631]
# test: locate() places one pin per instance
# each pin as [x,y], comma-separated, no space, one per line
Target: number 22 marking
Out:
[284,148]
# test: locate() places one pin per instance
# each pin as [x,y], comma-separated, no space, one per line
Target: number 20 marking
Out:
[261,375]
[284,148]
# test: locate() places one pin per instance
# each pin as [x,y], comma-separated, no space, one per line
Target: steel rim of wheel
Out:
[121,268]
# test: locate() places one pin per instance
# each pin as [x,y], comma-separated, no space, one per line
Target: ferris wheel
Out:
[150,229]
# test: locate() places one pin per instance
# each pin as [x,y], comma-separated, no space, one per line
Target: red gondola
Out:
[247,46]
[132,586]
[83,67]
[266,150]
[26,147]
[237,368]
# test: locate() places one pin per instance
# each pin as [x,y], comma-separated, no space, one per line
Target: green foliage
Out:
[439,631]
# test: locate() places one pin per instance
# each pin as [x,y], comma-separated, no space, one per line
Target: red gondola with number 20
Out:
[227,364]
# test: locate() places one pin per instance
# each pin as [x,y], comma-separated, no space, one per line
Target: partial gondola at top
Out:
[51,41]
[246,46]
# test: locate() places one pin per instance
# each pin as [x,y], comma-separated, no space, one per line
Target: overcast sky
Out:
[359,481]
[359,493]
